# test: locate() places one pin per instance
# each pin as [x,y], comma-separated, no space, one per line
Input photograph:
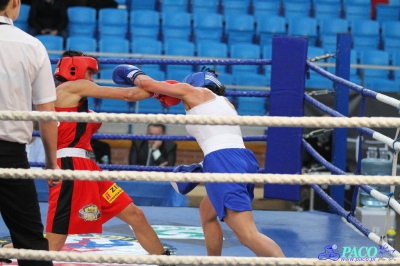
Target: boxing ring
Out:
[306,238]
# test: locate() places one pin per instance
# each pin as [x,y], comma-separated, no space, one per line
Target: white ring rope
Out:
[199,177]
[272,121]
[177,260]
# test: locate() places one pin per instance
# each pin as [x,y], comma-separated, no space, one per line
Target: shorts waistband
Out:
[72,152]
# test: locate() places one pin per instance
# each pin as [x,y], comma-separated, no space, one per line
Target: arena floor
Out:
[300,234]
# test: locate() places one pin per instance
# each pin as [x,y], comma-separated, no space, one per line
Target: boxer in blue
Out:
[224,152]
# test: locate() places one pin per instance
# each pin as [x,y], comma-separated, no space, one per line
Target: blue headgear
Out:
[202,79]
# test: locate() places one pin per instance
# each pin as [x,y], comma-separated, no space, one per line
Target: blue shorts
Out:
[234,196]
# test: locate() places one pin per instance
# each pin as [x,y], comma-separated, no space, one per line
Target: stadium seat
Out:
[375,57]
[357,11]
[141,5]
[244,51]
[113,22]
[304,26]
[296,8]
[230,7]
[385,12]
[156,74]
[328,30]
[52,43]
[207,29]
[318,82]
[82,21]
[213,49]
[239,28]
[146,46]
[22,20]
[150,106]
[113,45]
[266,8]
[174,6]
[176,25]
[144,24]
[201,6]
[111,105]
[267,26]
[383,85]
[178,48]
[81,43]
[314,51]
[390,29]
[327,10]
[391,44]
[396,62]
[365,34]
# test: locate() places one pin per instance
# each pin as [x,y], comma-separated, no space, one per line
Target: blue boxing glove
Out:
[126,74]
[182,187]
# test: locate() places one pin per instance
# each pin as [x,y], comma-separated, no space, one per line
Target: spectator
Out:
[48,17]
[153,152]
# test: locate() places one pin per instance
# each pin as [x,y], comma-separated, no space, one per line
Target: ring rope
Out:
[198,177]
[363,91]
[272,121]
[178,260]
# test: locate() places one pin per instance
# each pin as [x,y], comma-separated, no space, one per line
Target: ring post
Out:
[343,48]
[284,148]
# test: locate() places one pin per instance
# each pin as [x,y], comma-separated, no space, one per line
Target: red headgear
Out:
[74,67]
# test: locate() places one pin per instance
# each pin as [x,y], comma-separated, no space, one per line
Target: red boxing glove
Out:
[165,99]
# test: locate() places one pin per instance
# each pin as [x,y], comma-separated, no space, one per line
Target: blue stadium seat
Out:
[111,105]
[385,12]
[213,49]
[81,43]
[244,51]
[357,11]
[82,21]
[314,51]
[144,24]
[146,46]
[396,62]
[239,28]
[174,73]
[328,30]
[174,6]
[235,7]
[383,85]
[22,20]
[390,29]
[150,106]
[375,57]
[113,45]
[327,10]
[207,29]
[354,73]
[177,109]
[365,34]
[304,26]
[176,25]
[296,8]
[226,79]
[318,82]
[201,6]
[113,22]
[141,5]
[156,74]
[267,26]
[179,48]
[52,43]
[252,79]
[266,8]
[391,44]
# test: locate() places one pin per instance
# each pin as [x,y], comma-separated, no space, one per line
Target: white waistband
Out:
[72,152]
[227,141]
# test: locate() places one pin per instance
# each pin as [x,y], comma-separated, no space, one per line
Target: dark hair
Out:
[157,125]
[219,90]
[3,4]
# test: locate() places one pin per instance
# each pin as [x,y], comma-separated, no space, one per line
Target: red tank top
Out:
[76,134]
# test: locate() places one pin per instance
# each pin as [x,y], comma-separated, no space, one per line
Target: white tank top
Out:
[215,137]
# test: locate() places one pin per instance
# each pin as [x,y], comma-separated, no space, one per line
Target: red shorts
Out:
[81,207]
